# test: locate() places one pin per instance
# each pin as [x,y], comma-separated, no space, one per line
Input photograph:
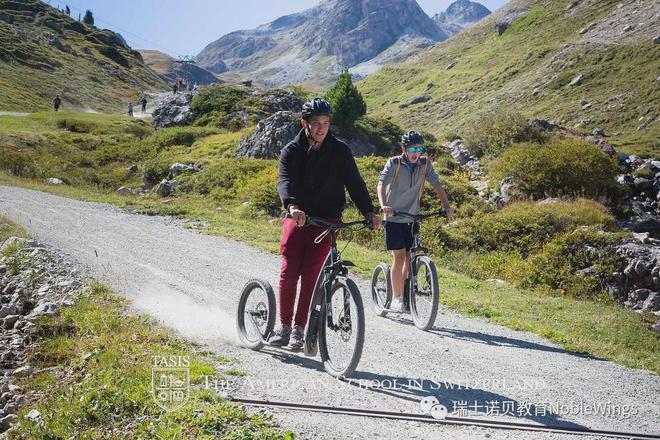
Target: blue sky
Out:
[184,27]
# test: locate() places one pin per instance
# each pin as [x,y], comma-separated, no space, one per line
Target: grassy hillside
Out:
[543,50]
[44,52]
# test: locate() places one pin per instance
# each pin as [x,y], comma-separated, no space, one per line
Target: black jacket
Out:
[315,180]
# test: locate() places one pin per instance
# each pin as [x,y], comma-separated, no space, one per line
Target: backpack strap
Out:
[425,173]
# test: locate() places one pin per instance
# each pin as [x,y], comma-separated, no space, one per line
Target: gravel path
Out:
[191,282]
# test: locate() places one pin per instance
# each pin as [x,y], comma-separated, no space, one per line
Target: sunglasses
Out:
[415,149]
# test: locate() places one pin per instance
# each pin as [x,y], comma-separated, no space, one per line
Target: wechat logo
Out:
[431,405]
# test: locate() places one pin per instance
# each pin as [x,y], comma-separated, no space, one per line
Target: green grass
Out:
[10,229]
[101,386]
[619,78]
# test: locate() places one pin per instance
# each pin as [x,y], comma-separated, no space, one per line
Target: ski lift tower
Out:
[187,59]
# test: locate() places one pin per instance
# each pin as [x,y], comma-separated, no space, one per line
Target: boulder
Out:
[508,189]
[174,111]
[270,136]
[178,168]
[416,100]
[52,40]
[54,181]
[164,189]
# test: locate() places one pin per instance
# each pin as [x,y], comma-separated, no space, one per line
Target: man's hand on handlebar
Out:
[297,215]
[376,221]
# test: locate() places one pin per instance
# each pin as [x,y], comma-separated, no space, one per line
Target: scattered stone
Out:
[124,191]
[7,421]
[497,282]
[132,169]
[628,28]
[54,181]
[598,132]
[9,321]
[44,309]
[417,100]
[25,370]
[577,80]
[178,168]
[656,40]
[451,65]
[8,310]
[589,27]
[33,415]
[585,104]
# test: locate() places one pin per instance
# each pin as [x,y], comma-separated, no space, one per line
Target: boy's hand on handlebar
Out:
[387,210]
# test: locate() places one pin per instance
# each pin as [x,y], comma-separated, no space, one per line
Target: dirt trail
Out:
[191,282]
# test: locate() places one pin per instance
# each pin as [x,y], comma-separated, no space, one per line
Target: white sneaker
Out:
[397,304]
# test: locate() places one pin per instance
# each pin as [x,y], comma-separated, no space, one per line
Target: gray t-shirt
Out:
[403,194]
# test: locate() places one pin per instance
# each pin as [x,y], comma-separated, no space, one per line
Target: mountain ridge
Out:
[316,43]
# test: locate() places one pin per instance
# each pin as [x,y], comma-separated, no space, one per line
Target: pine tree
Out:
[67,10]
[347,102]
[88,18]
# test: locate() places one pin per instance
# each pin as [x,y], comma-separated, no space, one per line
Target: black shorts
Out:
[398,236]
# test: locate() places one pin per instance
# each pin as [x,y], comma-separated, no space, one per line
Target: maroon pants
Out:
[302,259]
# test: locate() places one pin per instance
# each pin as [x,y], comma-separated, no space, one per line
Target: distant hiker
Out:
[130,109]
[175,87]
[57,102]
[144,104]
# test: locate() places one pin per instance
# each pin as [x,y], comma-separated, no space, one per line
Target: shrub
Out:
[168,137]
[347,102]
[561,168]
[524,226]
[77,125]
[216,98]
[494,132]
[383,133]
[556,265]
[17,164]
[261,190]
[222,178]
[155,170]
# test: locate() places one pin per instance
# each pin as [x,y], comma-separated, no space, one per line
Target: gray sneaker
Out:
[280,337]
[296,342]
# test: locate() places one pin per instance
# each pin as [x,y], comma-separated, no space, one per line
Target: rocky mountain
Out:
[314,44]
[459,15]
[588,64]
[170,69]
[44,52]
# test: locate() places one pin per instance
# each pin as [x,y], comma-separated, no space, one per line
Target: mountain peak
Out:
[459,15]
